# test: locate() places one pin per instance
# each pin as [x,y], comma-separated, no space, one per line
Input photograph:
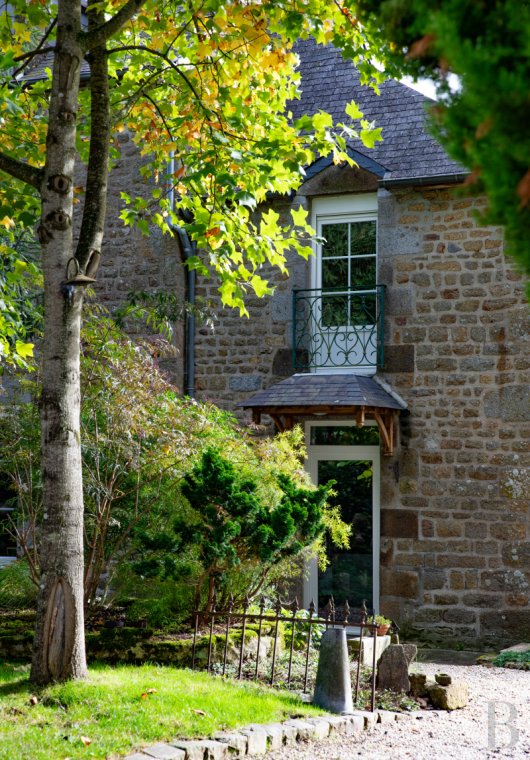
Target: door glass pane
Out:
[363,273]
[334,310]
[362,235]
[348,576]
[344,435]
[336,239]
[335,274]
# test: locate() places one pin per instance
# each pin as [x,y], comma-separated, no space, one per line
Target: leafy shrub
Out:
[17,590]
[140,442]
[501,659]
[228,525]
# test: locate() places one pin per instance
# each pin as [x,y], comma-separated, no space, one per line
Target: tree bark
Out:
[59,645]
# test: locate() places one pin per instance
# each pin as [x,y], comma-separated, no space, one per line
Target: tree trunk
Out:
[59,646]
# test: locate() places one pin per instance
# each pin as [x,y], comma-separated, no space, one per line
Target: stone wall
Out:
[242,355]
[131,261]
[455,518]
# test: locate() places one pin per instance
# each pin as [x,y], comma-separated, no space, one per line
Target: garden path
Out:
[495,724]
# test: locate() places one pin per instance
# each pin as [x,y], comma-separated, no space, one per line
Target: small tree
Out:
[228,525]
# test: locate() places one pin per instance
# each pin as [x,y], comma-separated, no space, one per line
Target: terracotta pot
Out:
[382,630]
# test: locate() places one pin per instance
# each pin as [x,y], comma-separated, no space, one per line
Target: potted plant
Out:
[383,625]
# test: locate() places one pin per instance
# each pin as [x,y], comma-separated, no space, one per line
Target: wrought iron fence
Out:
[338,328]
[222,623]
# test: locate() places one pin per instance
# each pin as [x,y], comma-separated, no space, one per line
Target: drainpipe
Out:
[188,249]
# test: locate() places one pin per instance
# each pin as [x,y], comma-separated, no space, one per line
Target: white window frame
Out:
[338,208]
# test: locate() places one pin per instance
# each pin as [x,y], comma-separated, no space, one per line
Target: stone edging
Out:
[259,739]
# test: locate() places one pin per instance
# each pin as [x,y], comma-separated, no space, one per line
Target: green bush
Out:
[141,441]
[17,590]
[505,657]
[228,524]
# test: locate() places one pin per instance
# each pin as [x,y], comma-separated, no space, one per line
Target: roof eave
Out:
[431,180]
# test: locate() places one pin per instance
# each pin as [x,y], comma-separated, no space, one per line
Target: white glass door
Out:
[352,574]
[345,334]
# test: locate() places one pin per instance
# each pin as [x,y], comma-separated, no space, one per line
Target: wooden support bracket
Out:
[385,422]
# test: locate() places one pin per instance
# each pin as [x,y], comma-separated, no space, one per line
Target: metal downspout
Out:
[188,249]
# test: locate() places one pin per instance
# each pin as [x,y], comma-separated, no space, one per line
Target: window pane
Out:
[336,236]
[363,310]
[334,273]
[362,236]
[363,275]
[344,435]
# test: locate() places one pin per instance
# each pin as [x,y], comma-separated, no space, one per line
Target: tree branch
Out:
[94,210]
[102,33]
[39,50]
[31,175]
[165,57]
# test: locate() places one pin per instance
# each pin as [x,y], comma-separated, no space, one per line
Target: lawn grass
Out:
[123,708]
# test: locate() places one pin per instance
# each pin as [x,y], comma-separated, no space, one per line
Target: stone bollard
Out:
[333,690]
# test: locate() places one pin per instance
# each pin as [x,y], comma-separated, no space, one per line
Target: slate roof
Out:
[329,83]
[323,390]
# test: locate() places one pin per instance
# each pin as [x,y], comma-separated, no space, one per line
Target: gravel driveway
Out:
[495,724]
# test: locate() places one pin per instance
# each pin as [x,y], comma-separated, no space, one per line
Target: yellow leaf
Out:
[7,222]
[24,350]
[299,216]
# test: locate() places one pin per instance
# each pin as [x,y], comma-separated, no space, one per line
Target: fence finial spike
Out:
[346,613]
[312,606]
[364,611]
[295,606]
[261,604]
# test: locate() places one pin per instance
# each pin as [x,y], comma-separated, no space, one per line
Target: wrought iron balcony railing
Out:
[335,329]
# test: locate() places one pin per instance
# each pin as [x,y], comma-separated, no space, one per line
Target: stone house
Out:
[401,348]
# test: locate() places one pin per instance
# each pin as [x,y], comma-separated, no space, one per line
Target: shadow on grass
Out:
[17,687]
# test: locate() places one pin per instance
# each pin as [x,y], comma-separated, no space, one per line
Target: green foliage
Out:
[203,90]
[20,307]
[486,45]
[300,631]
[229,524]
[140,438]
[17,590]
[501,659]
